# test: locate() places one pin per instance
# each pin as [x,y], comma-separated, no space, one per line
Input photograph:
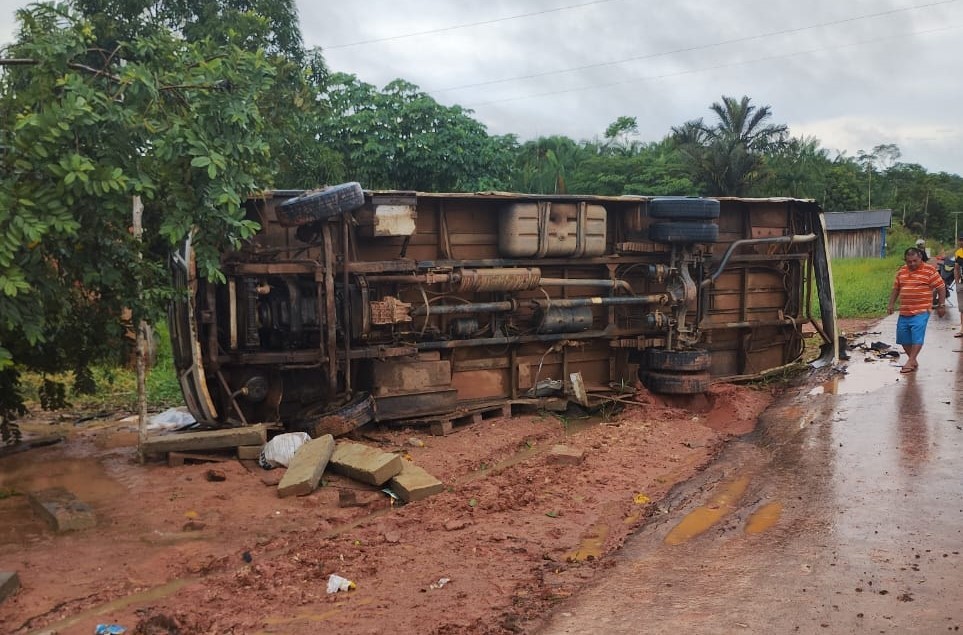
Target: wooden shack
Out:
[859,234]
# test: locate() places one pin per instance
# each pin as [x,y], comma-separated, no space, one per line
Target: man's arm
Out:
[892,299]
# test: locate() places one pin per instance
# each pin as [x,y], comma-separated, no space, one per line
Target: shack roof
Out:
[865,219]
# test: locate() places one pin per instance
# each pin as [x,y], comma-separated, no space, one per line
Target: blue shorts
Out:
[910,329]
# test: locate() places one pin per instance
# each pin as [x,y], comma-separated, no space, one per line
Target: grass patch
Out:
[116,386]
[863,285]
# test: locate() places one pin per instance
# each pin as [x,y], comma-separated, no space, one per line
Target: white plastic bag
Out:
[281,449]
[171,419]
[337,583]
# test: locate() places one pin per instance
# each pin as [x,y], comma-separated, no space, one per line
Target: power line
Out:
[690,49]
[465,26]
[712,68]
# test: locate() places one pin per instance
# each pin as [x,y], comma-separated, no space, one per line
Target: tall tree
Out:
[619,136]
[799,169]
[728,157]
[400,137]
[545,164]
[88,123]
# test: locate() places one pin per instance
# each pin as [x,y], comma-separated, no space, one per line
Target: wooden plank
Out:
[206,440]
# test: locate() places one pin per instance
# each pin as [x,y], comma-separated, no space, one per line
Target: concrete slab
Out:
[306,467]
[9,583]
[365,464]
[565,455]
[62,510]
[249,452]
[414,483]
[206,440]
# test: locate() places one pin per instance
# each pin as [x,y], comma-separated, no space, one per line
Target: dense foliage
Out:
[90,121]
[193,105]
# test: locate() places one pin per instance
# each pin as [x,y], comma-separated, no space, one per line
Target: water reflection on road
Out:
[843,513]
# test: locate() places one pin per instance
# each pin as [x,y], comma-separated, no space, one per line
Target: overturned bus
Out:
[351,305]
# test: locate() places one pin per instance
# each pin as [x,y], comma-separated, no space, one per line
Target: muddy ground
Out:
[511,535]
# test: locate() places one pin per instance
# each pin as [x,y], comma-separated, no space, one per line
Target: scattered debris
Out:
[279,451]
[347,498]
[215,476]
[9,583]
[440,583]
[109,629]
[172,419]
[455,525]
[249,452]
[337,583]
[205,440]
[565,455]
[365,464]
[414,484]
[306,467]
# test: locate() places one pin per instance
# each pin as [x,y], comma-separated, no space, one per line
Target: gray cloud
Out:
[849,73]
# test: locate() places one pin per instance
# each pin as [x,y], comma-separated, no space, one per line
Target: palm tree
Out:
[728,157]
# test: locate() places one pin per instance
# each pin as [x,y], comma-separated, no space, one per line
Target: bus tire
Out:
[684,232]
[684,208]
[675,383]
[678,361]
[319,205]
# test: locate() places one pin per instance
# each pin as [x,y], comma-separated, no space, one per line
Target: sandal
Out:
[908,369]
[959,334]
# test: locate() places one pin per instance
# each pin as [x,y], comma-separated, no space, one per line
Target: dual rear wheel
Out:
[675,372]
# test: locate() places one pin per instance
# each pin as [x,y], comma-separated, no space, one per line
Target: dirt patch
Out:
[511,535]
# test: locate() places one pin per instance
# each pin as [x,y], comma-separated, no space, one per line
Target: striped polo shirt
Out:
[916,288]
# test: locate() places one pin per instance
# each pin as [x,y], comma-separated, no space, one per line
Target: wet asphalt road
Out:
[842,513]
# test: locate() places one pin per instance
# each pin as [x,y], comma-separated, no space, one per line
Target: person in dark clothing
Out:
[921,247]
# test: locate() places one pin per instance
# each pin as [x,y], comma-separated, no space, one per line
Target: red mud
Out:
[511,535]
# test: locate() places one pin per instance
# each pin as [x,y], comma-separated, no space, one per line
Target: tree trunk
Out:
[138,229]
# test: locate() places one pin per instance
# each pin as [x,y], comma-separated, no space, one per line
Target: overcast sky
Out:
[854,74]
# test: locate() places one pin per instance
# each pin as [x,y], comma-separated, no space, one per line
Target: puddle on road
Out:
[764,518]
[150,595]
[591,545]
[861,377]
[22,474]
[702,518]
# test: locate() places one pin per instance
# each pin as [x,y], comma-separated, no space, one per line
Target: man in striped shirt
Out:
[914,286]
